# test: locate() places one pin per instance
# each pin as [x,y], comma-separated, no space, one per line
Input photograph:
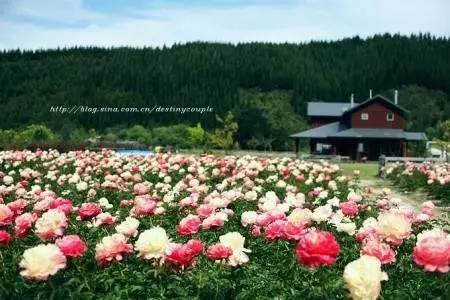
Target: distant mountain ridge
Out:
[210,74]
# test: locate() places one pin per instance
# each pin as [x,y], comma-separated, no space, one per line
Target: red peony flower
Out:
[317,248]
[378,249]
[195,247]
[184,255]
[189,225]
[5,237]
[71,245]
[65,205]
[349,208]
[89,210]
[433,253]
[218,251]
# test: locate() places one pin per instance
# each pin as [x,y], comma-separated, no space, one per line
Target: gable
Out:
[380,100]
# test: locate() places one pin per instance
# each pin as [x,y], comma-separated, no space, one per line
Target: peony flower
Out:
[189,225]
[363,278]
[112,248]
[218,252]
[349,208]
[322,213]
[89,210]
[42,261]
[23,224]
[184,255]
[17,206]
[393,227]
[104,218]
[65,205]
[5,237]
[300,216]
[317,248]
[432,251]
[205,210]
[141,189]
[248,218]
[275,229]
[378,249]
[51,224]
[235,241]
[71,246]
[152,243]
[128,227]
[6,215]
[143,207]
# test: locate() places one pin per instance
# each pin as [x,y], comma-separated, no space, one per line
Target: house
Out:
[359,130]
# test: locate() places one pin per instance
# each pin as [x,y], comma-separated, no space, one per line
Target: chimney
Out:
[352,102]
[370,94]
[396,96]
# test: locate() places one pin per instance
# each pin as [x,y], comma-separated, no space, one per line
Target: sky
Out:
[42,24]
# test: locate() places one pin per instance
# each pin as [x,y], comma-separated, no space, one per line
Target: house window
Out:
[390,116]
[364,116]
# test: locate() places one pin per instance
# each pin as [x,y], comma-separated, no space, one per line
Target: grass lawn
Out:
[368,170]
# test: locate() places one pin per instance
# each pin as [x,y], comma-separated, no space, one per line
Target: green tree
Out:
[197,135]
[223,137]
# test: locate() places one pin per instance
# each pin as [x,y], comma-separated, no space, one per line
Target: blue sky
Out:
[35,24]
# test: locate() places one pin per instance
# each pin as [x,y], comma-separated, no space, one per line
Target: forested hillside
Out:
[219,76]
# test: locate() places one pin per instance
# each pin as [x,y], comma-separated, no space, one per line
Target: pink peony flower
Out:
[275,230]
[6,215]
[433,253]
[143,206]
[141,189]
[218,252]
[17,206]
[317,248]
[378,249]
[294,232]
[111,248]
[5,237]
[349,208]
[89,210]
[205,210]
[71,245]
[65,205]
[23,224]
[189,225]
[212,221]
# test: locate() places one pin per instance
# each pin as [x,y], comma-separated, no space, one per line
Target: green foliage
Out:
[136,133]
[176,135]
[426,107]
[202,74]
[268,117]
[223,137]
[197,135]
[35,135]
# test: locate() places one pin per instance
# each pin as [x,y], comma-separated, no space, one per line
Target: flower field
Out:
[84,225]
[434,178]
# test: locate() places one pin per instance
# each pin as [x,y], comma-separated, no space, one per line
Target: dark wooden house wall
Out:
[377,117]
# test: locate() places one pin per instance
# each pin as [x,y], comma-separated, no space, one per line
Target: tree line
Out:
[265,85]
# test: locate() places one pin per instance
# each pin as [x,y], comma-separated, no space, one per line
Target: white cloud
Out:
[303,21]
